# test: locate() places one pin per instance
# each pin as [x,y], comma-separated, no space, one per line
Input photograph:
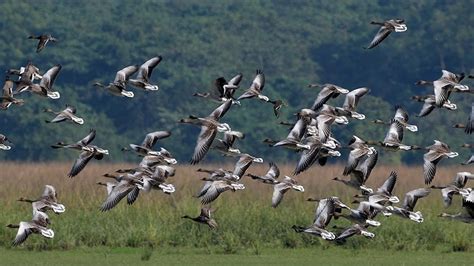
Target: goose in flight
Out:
[68,114]
[118,86]
[47,201]
[355,229]
[293,140]
[209,127]
[407,209]
[384,192]
[328,91]
[244,162]
[219,174]
[328,116]
[364,213]
[469,126]
[467,215]
[225,145]
[447,83]
[44,39]
[429,104]
[142,80]
[223,90]
[455,187]
[387,27]
[123,188]
[28,73]
[280,188]
[270,177]
[3,143]
[436,152]
[318,151]
[204,218]
[213,188]
[87,152]
[352,100]
[7,98]
[45,87]
[38,225]
[146,147]
[360,155]
[323,215]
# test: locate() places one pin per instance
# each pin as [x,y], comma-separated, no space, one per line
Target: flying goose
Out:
[328,91]
[219,174]
[469,126]
[7,98]
[328,116]
[293,140]
[118,86]
[406,211]
[204,217]
[384,191]
[38,225]
[436,152]
[3,143]
[364,213]
[223,90]
[213,188]
[355,229]
[358,154]
[323,215]
[351,101]
[317,152]
[146,148]
[209,127]
[43,40]
[28,73]
[429,104]
[447,83]
[387,27]
[244,163]
[87,152]
[270,177]
[126,185]
[280,188]
[134,192]
[45,87]
[225,145]
[68,114]
[455,187]
[47,201]
[467,215]
[142,80]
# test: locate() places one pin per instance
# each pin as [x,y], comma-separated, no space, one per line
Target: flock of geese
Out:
[310,135]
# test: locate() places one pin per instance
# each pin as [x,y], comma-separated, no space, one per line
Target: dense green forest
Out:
[295,43]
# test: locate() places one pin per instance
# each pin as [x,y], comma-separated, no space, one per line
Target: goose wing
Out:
[122,189]
[220,111]
[272,173]
[470,122]
[278,192]
[214,190]
[324,126]
[298,130]
[383,33]
[81,163]
[235,81]
[323,96]
[401,115]
[441,91]
[389,184]
[205,139]
[352,98]
[258,82]
[8,88]
[49,193]
[430,160]
[353,160]
[242,165]
[144,73]
[231,136]
[71,109]
[24,230]
[324,213]
[123,74]
[348,232]
[88,139]
[428,107]
[151,138]
[412,197]
[395,133]
[368,163]
[59,118]
[308,157]
[133,195]
[49,77]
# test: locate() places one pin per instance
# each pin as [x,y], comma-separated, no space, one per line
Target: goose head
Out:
[223,127]
[459,125]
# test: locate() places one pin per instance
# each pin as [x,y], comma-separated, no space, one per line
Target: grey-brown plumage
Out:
[38,225]
[142,80]
[204,218]
[68,114]
[119,85]
[387,27]
[7,98]
[436,152]
[270,177]
[43,40]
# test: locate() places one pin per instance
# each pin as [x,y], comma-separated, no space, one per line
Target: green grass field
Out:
[249,232]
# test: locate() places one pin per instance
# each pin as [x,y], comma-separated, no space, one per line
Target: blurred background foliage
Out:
[294,43]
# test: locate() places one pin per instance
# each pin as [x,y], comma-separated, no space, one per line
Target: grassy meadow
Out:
[247,223]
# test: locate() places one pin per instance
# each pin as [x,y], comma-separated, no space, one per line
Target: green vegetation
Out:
[199,256]
[199,40]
